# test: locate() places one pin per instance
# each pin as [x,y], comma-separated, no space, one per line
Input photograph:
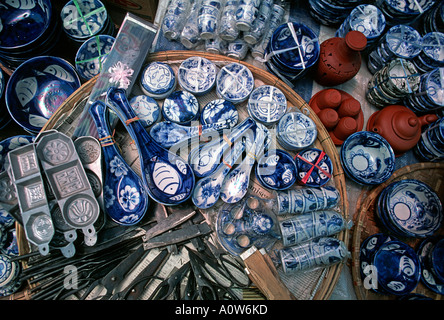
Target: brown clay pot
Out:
[340,59]
[399,126]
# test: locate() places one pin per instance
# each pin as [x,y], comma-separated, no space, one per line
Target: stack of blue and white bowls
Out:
[433,19]
[27,29]
[430,146]
[432,53]
[331,12]
[403,11]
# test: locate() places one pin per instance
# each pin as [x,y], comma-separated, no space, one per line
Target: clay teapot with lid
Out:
[400,126]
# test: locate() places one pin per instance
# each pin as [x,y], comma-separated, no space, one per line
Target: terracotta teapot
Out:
[399,126]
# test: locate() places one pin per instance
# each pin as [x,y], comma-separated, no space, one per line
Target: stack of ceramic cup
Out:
[365,18]
[331,12]
[400,41]
[430,146]
[432,53]
[393,83]
[433,19]
[403,11]
[430,94]
[259,25]
[292,51]
[27,30]
[84,19]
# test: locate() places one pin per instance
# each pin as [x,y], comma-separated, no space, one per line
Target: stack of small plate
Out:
[400,41]
[430,253]
[292,51]
[234,82]
[430,146]
[267,104]
[430,95]
[403,11]
[314,167]
[197,75]
[433,20]
[432,53]
[27,29]
[296,131]
[85,19]
[276,170]
[158,80]
[331,12]
[410,208]
[365,18]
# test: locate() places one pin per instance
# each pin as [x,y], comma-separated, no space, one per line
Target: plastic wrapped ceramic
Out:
[125,199]
[428,277]
[9,275]
[246,13]
[158,80]
[367,158]
[147,109]
[167,178]
[433,19]
[397,267]
[432,54]
[219,110]
[234,82]
[208,18]
[10,246]
[197,75]
[169,134]
[413,208]
[237,49]
[37,88]
[189,35]
[365,18]
[84,19]
[259,26]
[366,252]
[430,94]
[296,131]
[181,107]
[406,11]
[12,143]
[314,167]
[276,170]
[437,260]
[303,200]
[227,29]
[91,54]
[311,225]
[244,224]
[430,146]
[175,18]
[317,253]
[267,104]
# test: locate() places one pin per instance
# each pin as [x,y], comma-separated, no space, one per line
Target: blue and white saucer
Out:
[267,104]
[181,107]
[219,110]
[234,82]
[276,170]
[158,80]
[296,131]
[146,108]
[197,75]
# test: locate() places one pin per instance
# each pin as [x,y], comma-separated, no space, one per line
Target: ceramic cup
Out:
[246,13]
[207,19]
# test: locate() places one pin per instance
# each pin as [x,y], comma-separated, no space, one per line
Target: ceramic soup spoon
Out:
[235,184]
[207,190]
[168,178]
[205,158]
[125,199]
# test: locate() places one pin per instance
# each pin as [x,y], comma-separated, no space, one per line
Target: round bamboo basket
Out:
[323,283]
[366,222]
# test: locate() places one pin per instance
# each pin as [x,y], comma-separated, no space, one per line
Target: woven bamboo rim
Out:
[366,222]
[324,142]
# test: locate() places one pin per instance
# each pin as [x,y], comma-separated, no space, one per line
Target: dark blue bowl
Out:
[276,170]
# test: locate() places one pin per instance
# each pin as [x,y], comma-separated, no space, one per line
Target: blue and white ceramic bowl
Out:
[314,167]
[11,143]
[413,208]
[432,54]
[146,108]
[37,88]
[398,267]
[234,82]
[92,54]
[403,41]
[23,23]
[9,273]
[437,260]
[367,158]
[219,110]
[276,170]
[296,131]
[428,277]
[197,75]
[181,107]
[267,104]
[158,80]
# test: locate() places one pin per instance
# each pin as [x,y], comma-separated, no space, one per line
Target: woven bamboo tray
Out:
[366,222]
[318,284]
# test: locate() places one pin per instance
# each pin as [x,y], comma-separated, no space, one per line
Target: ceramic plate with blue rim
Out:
[234,82]
[197,75]
[296,131]
[23,23]
[276,170]
[219,110]
[37,88]
[415,208]
[146,108]
[11,143]
[314,167]
[404,41]
[91,55]
[267,104]
[158,80]
[368,158]
[398,267]
[427,276]
[181,107]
